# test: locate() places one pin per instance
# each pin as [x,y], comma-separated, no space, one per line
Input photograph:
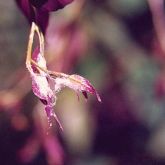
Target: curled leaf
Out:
[40,84]
[45,83]
[41,87]
[77,83]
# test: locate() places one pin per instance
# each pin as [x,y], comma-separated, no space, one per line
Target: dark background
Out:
[119,48]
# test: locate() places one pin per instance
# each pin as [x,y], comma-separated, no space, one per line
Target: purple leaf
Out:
[40,84]
[77,83]
[27,9]
[85,94]
[53,5]
[38,3]
[38,10]
[50,113]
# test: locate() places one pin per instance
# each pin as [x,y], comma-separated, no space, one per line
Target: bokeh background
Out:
[119,46]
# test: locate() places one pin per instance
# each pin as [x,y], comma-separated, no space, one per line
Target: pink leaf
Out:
[77,83]
[42,88]
[40,85]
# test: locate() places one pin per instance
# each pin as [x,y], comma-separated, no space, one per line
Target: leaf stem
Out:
[34,28]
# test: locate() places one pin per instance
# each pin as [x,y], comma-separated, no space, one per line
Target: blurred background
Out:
[119,45]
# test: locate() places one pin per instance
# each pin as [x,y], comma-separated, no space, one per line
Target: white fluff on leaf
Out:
[43,90]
